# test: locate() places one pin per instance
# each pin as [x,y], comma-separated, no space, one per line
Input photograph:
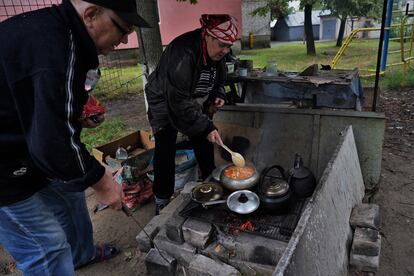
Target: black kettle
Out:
[274,191]
[301,180]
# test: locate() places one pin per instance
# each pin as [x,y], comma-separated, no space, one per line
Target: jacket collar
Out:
[81,36]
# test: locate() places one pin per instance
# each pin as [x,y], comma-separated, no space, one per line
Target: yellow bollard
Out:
[251,40]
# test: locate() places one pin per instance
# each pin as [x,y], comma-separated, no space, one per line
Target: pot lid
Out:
[276,187]
[243,202]
[206,192]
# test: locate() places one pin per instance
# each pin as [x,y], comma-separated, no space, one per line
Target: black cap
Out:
[125,9]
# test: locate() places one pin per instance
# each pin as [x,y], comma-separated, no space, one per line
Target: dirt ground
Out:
[395,196]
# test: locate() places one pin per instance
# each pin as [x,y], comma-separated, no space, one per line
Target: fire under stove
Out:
[262,222]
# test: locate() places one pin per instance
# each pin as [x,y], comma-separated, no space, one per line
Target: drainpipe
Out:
[381,40]
[386,36]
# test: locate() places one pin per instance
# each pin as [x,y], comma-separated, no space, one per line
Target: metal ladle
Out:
[236,157]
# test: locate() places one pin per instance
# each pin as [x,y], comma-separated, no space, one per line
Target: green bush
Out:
[396,79]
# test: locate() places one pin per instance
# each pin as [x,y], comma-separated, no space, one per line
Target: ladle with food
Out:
[236,157]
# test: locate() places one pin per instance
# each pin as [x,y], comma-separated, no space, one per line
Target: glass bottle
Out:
[121,153]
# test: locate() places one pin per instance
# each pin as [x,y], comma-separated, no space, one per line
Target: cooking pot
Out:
[301,179]
[216,173]
[241,202]
[239,184]
[273,190]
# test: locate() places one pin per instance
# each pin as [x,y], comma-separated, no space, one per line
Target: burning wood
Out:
[248,225]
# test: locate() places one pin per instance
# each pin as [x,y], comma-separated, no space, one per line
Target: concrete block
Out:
[322,240]
[177,204]
[246,247]
[152,228]
[173,228]
[184,253]
[366,215]
[197,233]
[202,265]
[189,187]
[248,268]
[366,242]
[364,263]
[216,250]
[160,265]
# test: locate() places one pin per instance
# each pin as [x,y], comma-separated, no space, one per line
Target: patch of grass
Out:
[361,53]
[293,57]
[111,129]
[118,82]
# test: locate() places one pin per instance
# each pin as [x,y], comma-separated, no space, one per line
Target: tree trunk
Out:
[310,41]
[150,47]
[341,31]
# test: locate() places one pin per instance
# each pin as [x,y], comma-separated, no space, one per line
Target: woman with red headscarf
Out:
[183,92]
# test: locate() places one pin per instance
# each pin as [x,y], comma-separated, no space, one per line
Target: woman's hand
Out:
[219,102]
[214,137]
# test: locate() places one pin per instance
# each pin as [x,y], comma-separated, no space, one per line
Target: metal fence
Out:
[113,77]
[10,8]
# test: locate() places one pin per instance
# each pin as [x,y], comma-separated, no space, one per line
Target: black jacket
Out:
[44,58]
[170,88]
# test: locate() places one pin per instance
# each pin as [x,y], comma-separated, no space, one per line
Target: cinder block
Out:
[174,228]
[366,242]
[247,247]
[184,253]
[152,228]
[197,233]
[177,204]
[202,265]
[364,263]
[216,250]
[366,216]
[248,268]
[160,265]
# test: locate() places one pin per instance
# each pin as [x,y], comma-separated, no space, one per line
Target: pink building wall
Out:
[179,17]
[175,17]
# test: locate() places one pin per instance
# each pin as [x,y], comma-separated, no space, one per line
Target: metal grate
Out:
[278,227]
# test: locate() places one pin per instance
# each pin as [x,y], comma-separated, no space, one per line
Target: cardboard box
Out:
[139,143]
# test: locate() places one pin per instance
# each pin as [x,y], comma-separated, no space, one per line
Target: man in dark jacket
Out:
[45,56]
[183,92]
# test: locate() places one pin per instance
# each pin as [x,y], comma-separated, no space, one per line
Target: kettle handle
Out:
[266,170]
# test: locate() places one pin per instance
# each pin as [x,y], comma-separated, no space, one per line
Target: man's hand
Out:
[108,192]
[93,121]
[214,137]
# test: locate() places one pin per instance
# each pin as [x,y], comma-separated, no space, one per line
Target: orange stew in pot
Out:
[237,173]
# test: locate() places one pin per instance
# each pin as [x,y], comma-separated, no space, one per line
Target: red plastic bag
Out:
[92,107]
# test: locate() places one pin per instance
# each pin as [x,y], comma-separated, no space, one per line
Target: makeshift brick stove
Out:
[183,240]
[216,238]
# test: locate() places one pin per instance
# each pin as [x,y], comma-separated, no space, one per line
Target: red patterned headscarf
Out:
[220,26]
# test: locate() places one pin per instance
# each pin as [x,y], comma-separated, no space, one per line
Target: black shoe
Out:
[158,208]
